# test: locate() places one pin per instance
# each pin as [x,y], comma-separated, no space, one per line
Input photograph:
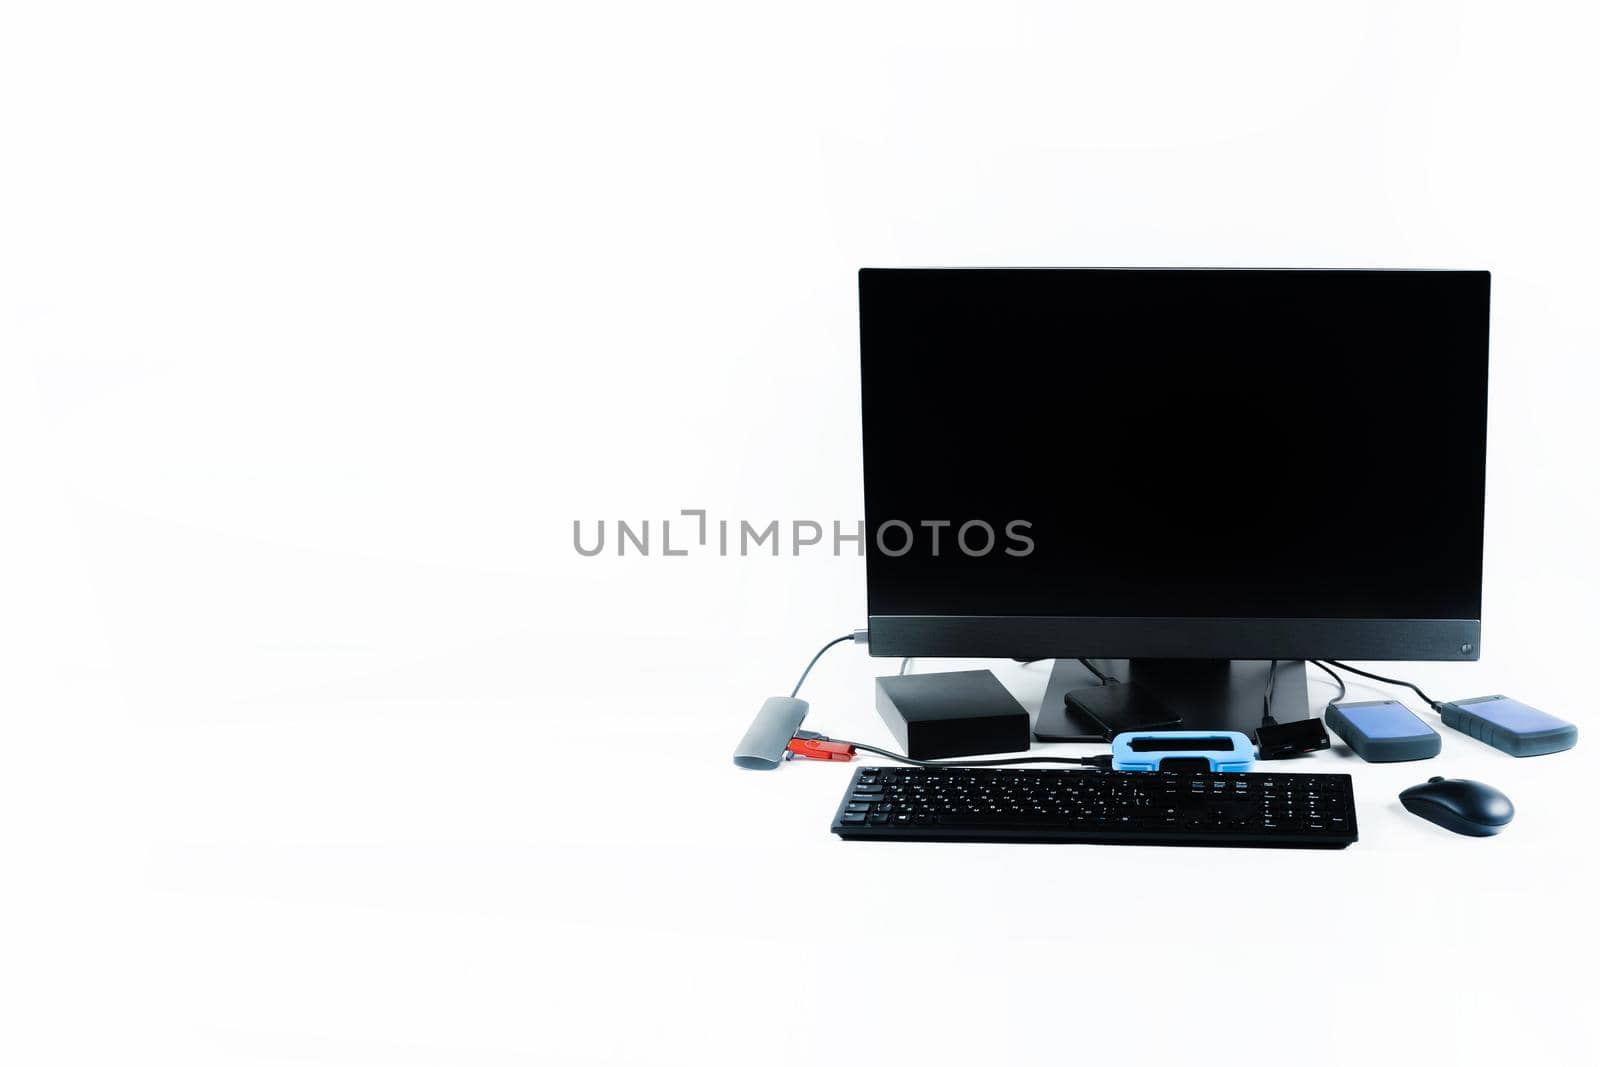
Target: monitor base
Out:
[1210,694]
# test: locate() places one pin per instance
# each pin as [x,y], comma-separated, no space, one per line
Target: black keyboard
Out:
[1268,809]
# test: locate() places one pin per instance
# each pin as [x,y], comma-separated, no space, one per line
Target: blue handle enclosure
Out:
[1147,750]
[1509,725]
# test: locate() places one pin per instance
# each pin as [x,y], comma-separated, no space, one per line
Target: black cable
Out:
[1105,679]
[837,640]
[1081,761]
[1432,703]
[905,664]
[1331,673]
[1266,698]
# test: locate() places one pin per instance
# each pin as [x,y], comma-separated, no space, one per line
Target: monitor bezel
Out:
[1046,637]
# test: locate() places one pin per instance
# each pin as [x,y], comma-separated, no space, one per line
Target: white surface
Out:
[320,323]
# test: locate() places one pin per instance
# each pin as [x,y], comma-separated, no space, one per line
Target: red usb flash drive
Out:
[810,748]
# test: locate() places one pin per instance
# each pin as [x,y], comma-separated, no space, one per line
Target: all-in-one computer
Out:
[1179,475]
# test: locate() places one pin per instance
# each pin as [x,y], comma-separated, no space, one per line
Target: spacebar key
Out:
[1008,821]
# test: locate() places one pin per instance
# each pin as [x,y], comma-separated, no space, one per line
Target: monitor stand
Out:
[1209,694]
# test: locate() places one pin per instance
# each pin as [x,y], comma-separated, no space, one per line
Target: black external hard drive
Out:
[1118,707]
[956,713]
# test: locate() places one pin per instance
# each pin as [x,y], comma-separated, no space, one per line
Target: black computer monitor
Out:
[1177,467]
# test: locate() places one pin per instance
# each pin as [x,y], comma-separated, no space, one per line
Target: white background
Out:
[320,323]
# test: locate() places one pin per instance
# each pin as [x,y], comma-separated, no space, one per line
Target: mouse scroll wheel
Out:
[1437,778]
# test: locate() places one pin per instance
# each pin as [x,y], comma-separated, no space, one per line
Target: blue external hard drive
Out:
[1382,731]
[1509,725]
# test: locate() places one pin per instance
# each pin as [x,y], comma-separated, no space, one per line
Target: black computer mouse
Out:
[1461,805]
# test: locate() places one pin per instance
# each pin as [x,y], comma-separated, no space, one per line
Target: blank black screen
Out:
[1180,443]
